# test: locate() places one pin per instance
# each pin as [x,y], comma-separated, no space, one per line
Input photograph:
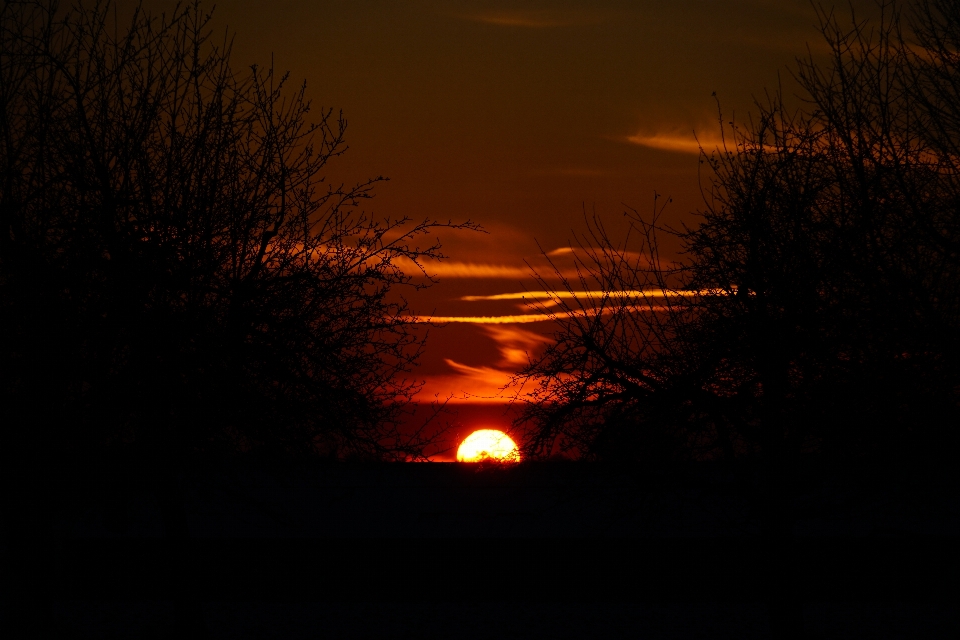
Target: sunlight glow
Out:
[488,444]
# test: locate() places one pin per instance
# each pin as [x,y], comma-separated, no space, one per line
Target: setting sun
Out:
[488,444]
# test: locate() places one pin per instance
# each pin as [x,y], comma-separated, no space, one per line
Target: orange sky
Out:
[519,116]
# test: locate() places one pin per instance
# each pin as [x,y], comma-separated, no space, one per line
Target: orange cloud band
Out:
[526,317]
[554,295]
[678,143]
[453,269]
[529,317]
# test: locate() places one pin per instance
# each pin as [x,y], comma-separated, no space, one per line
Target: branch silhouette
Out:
[178,274]
[815,304]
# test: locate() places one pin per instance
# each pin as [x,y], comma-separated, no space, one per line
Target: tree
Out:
[814,308]
[176,274]
[815,305]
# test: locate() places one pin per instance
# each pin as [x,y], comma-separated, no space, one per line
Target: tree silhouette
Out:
[176,274]
[814,308]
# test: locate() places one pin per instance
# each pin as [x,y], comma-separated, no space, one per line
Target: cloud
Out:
[454,269]
[678,142]
[512,319]
[537,19]
[491,384]
[536,317]
[589,254]
[590,295]
[478,270]
[637,301]
[515,344]
[485,384]
[586,261]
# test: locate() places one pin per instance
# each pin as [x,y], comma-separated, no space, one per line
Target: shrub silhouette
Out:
[815,305]
[813,310]
[176,274]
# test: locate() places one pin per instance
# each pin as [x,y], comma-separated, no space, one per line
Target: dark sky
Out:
[520,115]
[515,114]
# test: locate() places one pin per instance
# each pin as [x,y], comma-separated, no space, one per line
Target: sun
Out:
[488,444]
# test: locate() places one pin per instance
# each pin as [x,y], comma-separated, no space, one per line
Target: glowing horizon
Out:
[468,110]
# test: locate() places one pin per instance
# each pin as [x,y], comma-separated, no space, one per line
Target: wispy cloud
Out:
[478,270]
[470,384]
[639,301]
[487,384]
[454,269]
[591,295]
[587,252]
[515,344]
[678,142]
[511,319]
[538,317]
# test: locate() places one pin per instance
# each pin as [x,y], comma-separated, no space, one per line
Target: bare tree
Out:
[815,304]
[814,308]
[177,276]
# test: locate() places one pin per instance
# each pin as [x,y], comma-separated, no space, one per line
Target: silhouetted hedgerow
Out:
[816,306]
[177,276]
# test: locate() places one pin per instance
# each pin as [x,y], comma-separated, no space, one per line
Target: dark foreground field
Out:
[553,549]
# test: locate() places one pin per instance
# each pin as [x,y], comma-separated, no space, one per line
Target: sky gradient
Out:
[521,116]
